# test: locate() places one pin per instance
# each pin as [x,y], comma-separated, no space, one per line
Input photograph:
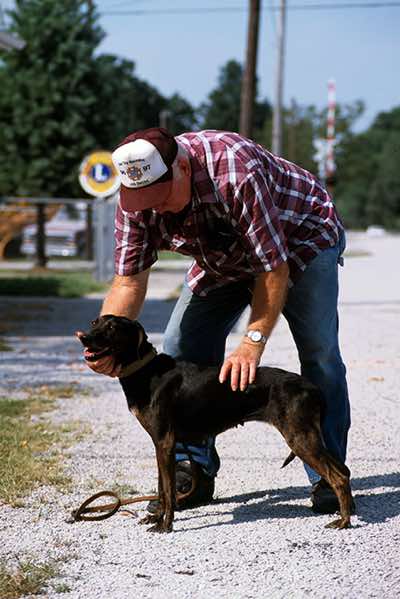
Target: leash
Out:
[109,509]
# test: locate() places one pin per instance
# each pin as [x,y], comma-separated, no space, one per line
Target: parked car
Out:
[65,236]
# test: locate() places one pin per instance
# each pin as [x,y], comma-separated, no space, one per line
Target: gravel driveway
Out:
[259,538]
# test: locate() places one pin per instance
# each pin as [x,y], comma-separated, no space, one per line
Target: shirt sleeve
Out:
[134,251]
[258,221]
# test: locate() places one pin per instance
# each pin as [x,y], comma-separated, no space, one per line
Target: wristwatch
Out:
[256,336]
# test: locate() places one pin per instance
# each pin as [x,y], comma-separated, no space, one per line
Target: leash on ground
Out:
[109,508]
[112,508]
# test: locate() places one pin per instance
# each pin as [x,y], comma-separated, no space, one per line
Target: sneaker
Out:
[203,493]
[324,500]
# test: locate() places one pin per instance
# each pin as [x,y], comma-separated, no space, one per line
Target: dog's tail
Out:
[289,459]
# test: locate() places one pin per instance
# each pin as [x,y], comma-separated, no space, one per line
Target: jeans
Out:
[199,326]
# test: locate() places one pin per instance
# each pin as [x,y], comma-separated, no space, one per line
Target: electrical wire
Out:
[231,9]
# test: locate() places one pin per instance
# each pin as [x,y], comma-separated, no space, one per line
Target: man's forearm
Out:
[269,298]
[126,296]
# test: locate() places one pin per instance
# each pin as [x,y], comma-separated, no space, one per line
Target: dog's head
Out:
[118,336]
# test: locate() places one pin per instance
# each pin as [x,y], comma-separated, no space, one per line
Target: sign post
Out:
[100,179]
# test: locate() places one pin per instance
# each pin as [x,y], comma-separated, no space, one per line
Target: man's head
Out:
[155,172]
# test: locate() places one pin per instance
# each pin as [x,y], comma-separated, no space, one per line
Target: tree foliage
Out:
[222,108]
[368,190]
[46,100]
[60,101]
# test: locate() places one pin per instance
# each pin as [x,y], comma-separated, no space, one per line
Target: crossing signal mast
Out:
[330,175]
[325,148]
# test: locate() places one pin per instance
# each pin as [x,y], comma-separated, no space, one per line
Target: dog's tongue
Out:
[91,356]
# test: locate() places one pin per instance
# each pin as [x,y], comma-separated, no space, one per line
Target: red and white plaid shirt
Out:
[250,211]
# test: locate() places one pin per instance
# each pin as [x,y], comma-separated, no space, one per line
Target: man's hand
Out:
[242,365]
[105,365]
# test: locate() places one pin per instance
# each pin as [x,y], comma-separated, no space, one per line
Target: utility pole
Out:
[277,116]
[249,74]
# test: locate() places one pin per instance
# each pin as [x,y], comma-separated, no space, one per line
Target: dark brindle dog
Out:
[180,401]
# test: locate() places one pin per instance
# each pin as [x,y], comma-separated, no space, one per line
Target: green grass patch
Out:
[25,579]
[30,447]
[167,255]
[46,283]
[4,346]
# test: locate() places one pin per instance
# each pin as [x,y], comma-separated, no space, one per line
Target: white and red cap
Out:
[144,160]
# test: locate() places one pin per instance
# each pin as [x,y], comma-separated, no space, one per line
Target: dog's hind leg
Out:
[308,446]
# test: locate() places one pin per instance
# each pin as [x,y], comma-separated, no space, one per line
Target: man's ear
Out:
[184,166]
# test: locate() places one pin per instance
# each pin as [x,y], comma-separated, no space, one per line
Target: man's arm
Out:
[125,298]
[268,301]
[126,295]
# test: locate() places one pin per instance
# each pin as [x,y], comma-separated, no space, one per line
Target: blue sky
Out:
[358,47]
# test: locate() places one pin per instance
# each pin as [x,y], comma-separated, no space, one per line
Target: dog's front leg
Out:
[165,450]
[160,511]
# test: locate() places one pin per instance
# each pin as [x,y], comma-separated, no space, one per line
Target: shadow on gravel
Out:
[56,317]
[377,507]
[372,508]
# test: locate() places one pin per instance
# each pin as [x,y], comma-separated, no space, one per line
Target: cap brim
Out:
[132,200]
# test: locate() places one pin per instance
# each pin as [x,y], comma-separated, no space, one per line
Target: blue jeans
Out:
[199,326]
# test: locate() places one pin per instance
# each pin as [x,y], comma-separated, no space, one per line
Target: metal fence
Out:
[98,235]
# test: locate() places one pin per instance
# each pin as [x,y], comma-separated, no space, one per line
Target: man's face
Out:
[171,196]
[178,194]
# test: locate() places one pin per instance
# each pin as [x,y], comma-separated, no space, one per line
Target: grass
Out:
[48,283]
[30,447]
[167,255]
[27,579]
[4,346]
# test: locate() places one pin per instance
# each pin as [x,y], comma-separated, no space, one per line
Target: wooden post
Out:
[249,74]
[41,259]
[277,114]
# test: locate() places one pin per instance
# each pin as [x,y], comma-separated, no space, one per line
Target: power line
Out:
[231,9]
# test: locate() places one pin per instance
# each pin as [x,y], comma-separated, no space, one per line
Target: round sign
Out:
[98,175]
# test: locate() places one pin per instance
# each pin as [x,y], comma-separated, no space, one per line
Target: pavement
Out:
[259,537]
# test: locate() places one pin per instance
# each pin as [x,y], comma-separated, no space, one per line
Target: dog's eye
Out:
[95,321]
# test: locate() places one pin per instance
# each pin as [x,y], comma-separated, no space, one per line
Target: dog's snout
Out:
[80,335]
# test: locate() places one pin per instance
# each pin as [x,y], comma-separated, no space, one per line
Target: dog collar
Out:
[135,366]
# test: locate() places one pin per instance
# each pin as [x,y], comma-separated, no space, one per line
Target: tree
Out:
[60,101]
[368,190]
[183,115]
[222,109]
[46,99]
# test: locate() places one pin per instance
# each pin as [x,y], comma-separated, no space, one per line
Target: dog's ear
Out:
[143,345]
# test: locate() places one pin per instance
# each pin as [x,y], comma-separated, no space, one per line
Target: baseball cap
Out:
[144,161]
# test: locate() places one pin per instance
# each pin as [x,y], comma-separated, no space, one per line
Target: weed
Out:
[4,346]
[29,456]
[25,579]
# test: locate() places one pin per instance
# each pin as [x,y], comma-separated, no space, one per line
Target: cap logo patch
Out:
[134,173]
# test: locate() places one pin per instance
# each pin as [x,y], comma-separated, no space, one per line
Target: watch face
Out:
[255,336]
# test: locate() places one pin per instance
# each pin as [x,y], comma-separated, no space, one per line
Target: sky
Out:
[180,46]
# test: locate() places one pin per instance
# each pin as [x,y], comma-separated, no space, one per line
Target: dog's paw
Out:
[150,519]
[160,527]
[339,524]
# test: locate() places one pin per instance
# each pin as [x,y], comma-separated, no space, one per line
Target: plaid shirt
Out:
[250,211]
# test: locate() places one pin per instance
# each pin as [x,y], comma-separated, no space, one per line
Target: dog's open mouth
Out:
[92,356]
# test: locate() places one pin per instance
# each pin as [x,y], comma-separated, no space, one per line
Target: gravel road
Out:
[259,537]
